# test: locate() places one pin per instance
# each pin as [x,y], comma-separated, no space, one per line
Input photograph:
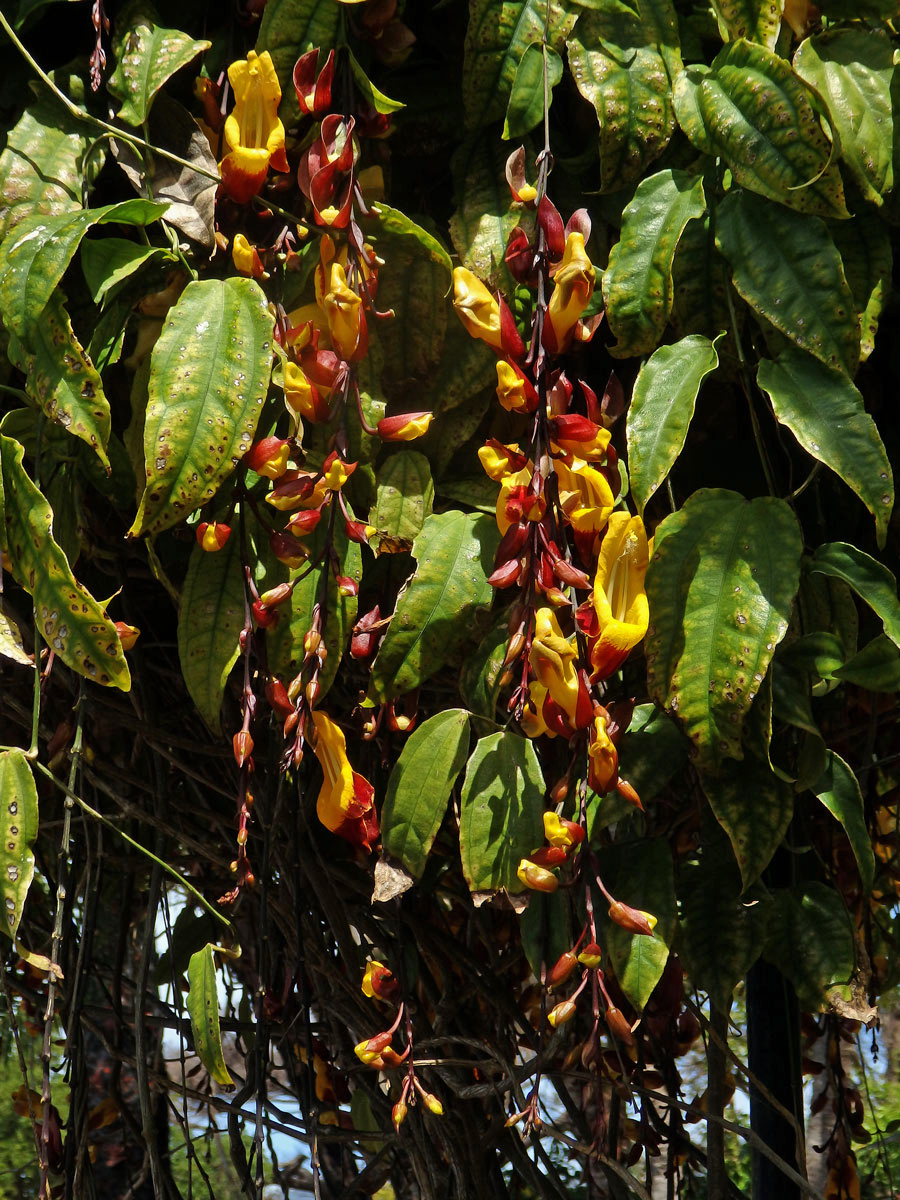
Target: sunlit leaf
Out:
[526,100]
[870,580]
[642,877]
[405,495]
[838,789]
[203,1010]
[18,829]
[147,55]
[290,28]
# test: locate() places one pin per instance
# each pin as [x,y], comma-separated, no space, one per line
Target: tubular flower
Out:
[573,288]
[620,601]
[405,427]
[346,317]
[345,801]
[245,258]
[302,396]
[585,496]
[603,758]
[514,391]
[253,132]
[560,832]
[553,662]
[574,434]
[539,879]
[325,173]
[476,308]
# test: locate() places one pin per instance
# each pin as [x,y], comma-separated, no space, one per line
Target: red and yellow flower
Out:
[620,600]
[253,132]
[345,804]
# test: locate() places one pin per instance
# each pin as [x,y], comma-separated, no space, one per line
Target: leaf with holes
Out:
[853,69]
[290,28]
[838,789]
[485,216]
[405,495]
[146,56]
[870,580]
[661,409]
[11,645]
[624,64]
[285,641]
[208,380]
[526,100]
[70,620]
[640,875]
[44,159]
[500,811]
[720,585]
[210,620]
[780,258]
[765,122]
[864,245]
[637,285]
[34,259]
[18,829]
[63,381]
[756,20]
[825,413]
[811,940]
[437,608]
[420,786]
[498,35]
[203,1009]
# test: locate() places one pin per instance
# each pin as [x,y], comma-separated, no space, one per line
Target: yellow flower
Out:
[476,307]
[376,969]
[346,317]
[245,257]
[514,392]
[603,758]
[253,132]
[585,496]
[572,291]
[553,662]
[345,800]
[620,601]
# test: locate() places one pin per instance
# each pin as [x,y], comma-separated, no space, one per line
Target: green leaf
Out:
[498,35]
[405,495]
[876,667]
[838,790]
[210,620]
[720,585]
[721,934]
[651,752]
[870,580]
[637,285]
[436,609]
[764,121]
[18,829]
[485,215]
[546,929]
[779,258]
[526,100]
[852,69]
[11,646]
[700,284]
[367,89]
[208,379]
[661,409]
[203,1009]
[393,223]
[288,29]
[285,641]
[640,875]
[811,941]
[500,813]
[825,413]
[467,367]
[686,99]
[107,262]
[479,680]
[70,620]
[754,806]
[623,64]
[41,165]
[864,245]
[63,381]
[34,259]
[756,20]
[420,786]
[147,56]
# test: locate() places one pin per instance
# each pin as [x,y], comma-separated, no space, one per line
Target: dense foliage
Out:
[448,646]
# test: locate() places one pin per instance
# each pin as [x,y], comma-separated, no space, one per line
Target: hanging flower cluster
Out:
[320,346]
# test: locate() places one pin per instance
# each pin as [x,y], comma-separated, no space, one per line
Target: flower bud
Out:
[128,634]
[212,535]
[276,595]
[405,427]
[635,920]
[432,1103]
[370,1049]
[591,956]
[269,457]
[562,1012]
[550,856]
[617,1024]
[287,549]
[537,878]
[312,642]
[358,531]
[627,792]
[264,616]
[305,521]
[398,1113]
[347,586]
[562,969]
[242,745]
